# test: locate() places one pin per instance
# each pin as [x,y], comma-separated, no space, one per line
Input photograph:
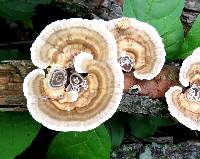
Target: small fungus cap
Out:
[184,105]
[79,62]
[184,110]
[142,43]
[190,69]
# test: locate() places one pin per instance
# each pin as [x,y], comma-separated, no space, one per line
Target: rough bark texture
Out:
[135,104]
[103,9]
[190,12]
[12,74]
[183,150]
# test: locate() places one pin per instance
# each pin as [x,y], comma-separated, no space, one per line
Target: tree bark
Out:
[165,150]
[12,74]
[190,11]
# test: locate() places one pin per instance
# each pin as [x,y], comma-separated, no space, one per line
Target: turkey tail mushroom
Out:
[185,105]
[92,107]
[64,99]
[139,46]
[61,40]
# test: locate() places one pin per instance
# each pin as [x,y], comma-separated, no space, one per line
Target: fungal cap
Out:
[53,72]
[142,42]
[29,87]
[190,69]
[70,96]
[79,61]
[57,45]
[72,36]
[93,106]
[185,111]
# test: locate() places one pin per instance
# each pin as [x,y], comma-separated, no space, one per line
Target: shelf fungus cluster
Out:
[184,104]
[139,47]
[78,84]
[79,81]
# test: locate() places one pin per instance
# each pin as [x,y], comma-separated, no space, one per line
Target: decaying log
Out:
[12,74]
[134,104]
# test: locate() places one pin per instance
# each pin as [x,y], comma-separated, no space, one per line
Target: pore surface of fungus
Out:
[184,104]
[83,82]
[139,46]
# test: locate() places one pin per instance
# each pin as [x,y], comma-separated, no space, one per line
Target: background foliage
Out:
[16,133]
[85,145]
[164,16]
[20,10]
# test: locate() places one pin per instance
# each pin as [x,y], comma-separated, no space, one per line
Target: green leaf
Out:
[141,127]
[21,10]
[17,130]
[144,126]
[164,15]
[192,40]
[94,144]
[12,54]
[162,121]
[116,130]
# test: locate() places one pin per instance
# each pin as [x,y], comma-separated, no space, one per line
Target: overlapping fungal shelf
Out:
[184,104]
[83,83]
[64,39]
[142,43]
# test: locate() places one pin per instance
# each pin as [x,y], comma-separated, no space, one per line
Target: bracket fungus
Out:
[184,104]
[139,47]
[83,82]
[67,38]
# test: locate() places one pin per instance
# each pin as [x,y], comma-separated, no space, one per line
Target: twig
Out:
[17,43]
